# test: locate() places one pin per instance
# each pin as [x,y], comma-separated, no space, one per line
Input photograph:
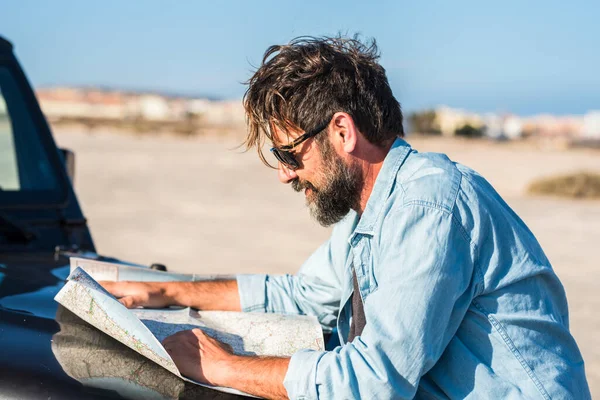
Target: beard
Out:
[339,191]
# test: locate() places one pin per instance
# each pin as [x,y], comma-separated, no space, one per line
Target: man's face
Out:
[331,185]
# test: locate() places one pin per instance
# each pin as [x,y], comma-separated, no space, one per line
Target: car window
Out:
[24,164]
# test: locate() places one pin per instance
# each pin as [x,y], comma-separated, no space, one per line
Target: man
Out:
[436,287]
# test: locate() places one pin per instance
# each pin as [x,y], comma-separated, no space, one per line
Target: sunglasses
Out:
[286,157]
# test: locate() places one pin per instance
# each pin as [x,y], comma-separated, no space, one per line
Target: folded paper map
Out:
[144,329]
[113,271]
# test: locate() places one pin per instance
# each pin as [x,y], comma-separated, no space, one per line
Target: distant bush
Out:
[577,185]
[469,131]
[423,122]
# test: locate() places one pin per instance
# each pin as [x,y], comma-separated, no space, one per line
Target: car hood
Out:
[48,352]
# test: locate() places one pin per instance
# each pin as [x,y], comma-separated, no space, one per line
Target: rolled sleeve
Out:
[301,375]
[252,291]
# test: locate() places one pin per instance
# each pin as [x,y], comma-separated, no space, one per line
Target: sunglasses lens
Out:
[285,157]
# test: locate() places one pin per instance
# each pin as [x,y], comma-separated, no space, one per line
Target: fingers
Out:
[117,289]
[200,336]
[204,339]
[199,332]
[192,336]
[181,335]
[168,342]
[129,301]
[196,340]
[181,338]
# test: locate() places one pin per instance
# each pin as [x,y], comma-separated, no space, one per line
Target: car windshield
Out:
[27,175]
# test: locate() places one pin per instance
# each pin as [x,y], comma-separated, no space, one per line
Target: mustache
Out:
[299,186]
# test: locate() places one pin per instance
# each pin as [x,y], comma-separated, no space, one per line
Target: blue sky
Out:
[521,56]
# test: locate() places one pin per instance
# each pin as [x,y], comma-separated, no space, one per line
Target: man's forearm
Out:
[204,295]
[260,376]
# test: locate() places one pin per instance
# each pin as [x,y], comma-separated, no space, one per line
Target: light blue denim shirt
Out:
[459,299]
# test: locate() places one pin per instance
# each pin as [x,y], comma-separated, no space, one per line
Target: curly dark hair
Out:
[300,85]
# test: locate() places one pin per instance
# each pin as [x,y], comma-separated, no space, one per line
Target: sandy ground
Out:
[200,205]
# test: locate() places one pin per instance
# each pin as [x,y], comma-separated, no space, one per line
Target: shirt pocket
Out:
[363,265]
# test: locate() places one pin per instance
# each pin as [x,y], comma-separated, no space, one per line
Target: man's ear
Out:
[345,133]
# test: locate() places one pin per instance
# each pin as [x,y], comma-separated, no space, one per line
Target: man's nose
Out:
[285,174]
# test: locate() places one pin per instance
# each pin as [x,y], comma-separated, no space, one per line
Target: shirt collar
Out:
[382,188]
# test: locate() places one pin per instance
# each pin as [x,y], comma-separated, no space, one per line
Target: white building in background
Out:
[494,125]
[503,126]
[591,125]
[198,106]
[512,127]
[450,119]
[153,107]
[224,113]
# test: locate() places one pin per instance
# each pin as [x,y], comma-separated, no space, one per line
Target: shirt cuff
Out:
[301,376]
[252,290]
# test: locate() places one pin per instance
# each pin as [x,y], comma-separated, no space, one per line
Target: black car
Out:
[45,351]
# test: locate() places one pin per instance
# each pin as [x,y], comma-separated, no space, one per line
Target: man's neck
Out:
[371,164]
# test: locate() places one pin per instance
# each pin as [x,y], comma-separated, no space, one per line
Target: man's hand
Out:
[200,357]
[139,294]
[206,360]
